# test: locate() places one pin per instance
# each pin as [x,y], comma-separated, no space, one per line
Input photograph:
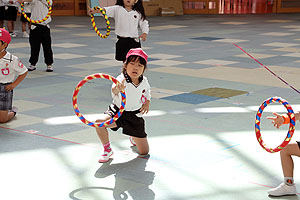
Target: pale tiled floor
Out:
[199,151]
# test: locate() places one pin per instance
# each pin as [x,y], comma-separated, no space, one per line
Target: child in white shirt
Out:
[128,15]
[137,90]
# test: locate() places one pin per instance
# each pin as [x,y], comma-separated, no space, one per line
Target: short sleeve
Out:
[148,89]
[19,66]
[111,11]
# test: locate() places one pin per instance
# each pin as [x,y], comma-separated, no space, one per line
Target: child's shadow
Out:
[131,177]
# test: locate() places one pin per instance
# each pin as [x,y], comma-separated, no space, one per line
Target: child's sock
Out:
[289,181]
[107,147]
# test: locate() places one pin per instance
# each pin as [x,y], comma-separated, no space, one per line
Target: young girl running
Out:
[138,96]
[293,149]
[128,15]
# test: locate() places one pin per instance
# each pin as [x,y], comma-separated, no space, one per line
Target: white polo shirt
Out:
[2,3]
[39,10]
[10,67]
[127,22]
[135,95]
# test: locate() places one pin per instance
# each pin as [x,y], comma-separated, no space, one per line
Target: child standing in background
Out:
[137,90]
[292,149]
[40,34]
[10,14]
[128,15]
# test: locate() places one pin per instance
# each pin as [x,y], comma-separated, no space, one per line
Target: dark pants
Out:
[123,45]
[40,35]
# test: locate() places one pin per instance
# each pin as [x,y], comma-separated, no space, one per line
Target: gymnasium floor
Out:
[205,95]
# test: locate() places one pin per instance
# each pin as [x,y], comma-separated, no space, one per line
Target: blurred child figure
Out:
[25,22]
[10,14]
[129,15]
[40,34]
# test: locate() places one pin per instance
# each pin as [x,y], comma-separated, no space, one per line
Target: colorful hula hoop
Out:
[291,128]
[37,21]
[106,19]
[76,91]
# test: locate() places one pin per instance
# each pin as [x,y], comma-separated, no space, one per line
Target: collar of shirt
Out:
[128,79]
[7,57]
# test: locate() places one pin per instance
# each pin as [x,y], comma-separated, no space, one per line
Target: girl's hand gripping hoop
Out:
[76,91]
[106,19]
[291,128]
[37,21]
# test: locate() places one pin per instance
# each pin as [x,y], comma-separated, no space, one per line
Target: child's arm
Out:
[143,36]
[145,29]
[278,120]
[16,82]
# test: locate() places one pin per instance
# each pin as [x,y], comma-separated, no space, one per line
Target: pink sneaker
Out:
[105,156]
[132,141]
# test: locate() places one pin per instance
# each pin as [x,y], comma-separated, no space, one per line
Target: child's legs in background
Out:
[286,159]
[25,22]
[142,145]
[11,17]
[11,26]
[35,39]
[46,43]
[24,26]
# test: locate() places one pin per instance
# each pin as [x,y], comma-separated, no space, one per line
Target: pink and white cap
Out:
[137,52]
[5,36]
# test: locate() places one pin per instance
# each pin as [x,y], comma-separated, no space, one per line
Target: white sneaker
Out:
[25,34]
[283,189]
[49,68]
[31,68]
[14,34]
[105,156]
[132,141]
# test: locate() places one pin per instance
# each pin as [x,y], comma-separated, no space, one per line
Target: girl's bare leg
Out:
[142,145]
[286,159]
[102,131]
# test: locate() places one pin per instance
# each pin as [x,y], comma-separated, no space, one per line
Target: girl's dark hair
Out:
[2,42]
[137,6]
[134,58]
